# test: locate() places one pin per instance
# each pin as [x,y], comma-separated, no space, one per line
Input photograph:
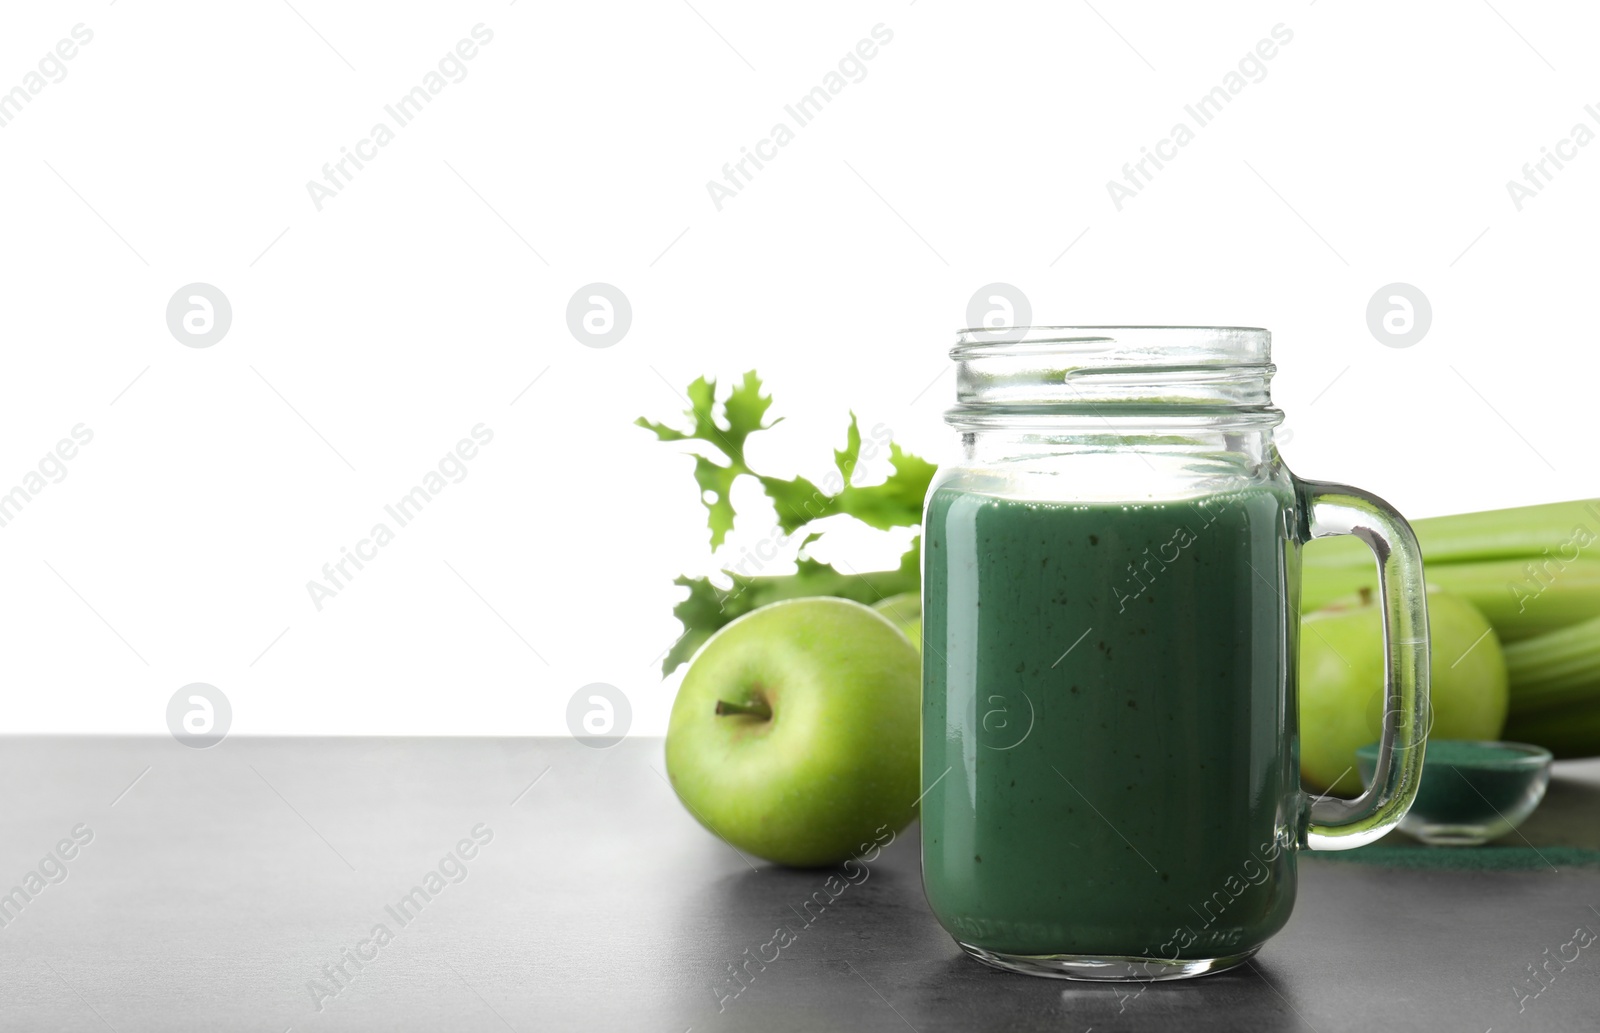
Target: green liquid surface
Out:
[1108,724]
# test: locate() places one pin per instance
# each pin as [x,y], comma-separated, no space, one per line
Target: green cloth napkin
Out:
[1488,858]
[1563,833]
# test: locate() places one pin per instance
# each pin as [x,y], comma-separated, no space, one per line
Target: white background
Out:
[368,337]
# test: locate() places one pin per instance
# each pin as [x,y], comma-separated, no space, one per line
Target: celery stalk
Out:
[1492,534]
[1570,731]
[1559,668]
[1534,571]
[1522,598]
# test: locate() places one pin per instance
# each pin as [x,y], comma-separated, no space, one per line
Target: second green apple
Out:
[1342,691]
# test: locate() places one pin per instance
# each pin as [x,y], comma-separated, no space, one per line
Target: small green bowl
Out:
[1471,792]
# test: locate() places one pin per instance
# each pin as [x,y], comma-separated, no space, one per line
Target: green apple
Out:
[1341,683]
[796,732]
[905,610]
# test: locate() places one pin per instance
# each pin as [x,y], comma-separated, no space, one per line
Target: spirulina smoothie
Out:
[1107,721]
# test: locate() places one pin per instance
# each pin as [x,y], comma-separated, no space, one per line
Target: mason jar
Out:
[1110,595]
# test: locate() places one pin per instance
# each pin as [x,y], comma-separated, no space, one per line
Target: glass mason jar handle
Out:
[1336,509]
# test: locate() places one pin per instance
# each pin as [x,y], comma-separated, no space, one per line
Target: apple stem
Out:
[1366,596]
[756,708]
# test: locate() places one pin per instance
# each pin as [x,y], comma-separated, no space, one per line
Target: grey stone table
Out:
[219,890]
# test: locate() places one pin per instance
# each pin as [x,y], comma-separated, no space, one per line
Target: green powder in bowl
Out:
[1471,792]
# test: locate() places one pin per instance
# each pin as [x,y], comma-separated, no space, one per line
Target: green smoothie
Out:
[1108,724]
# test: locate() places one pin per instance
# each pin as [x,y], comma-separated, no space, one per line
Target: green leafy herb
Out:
[708,607]
[897,502]
[743,414]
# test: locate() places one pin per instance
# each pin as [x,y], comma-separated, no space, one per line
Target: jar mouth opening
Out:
[1109,346]
[1011,374]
